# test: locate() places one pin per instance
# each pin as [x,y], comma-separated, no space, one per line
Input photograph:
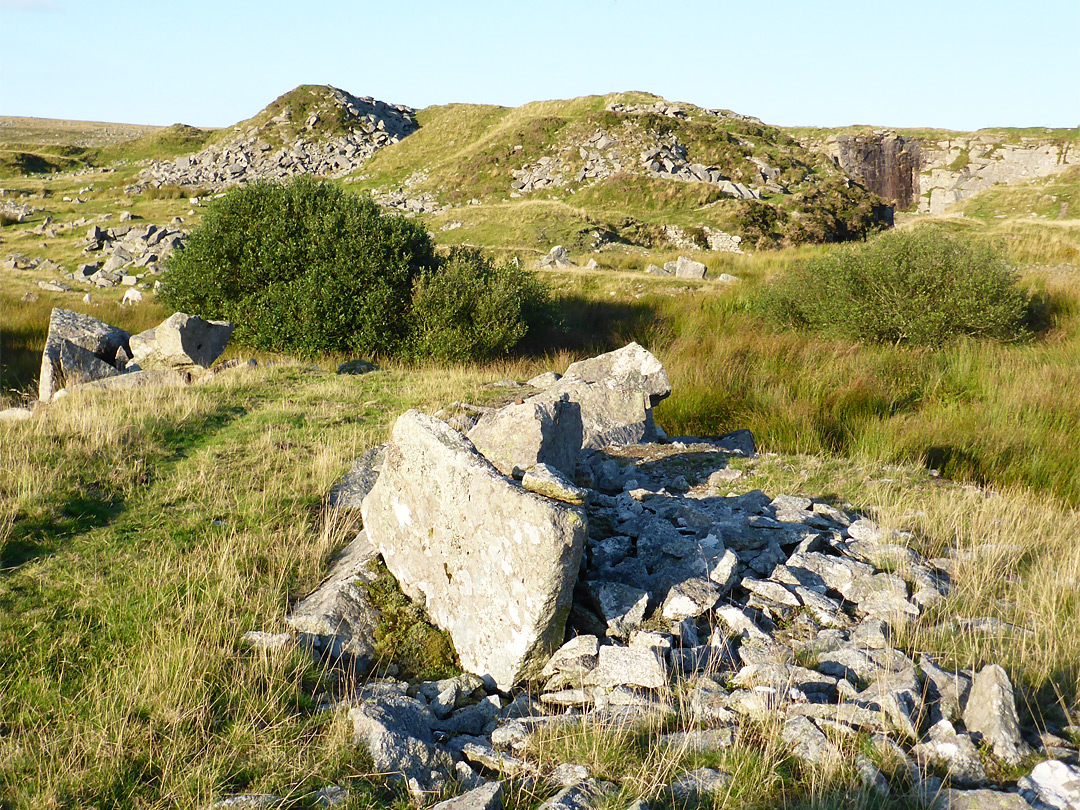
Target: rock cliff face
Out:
[887,164]
[930,175]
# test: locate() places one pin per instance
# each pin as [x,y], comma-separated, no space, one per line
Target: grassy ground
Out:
[142,535]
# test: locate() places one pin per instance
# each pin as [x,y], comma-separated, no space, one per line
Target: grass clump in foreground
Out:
[303,267]
[920,288]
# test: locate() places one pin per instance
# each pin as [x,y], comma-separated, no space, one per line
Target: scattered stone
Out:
[685,268]
[486,797]
[991,713]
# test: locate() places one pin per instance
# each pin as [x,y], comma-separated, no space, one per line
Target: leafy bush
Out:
[919,287]
[473,308]
[302,267]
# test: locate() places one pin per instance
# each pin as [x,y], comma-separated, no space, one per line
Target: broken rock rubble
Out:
[662,584]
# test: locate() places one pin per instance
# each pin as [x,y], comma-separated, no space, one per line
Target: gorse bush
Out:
[921,287]
[473,308]
[303,267]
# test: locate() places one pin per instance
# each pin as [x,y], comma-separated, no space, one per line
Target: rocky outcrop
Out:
[933,173]
[493,564]
[337,134]
[886,163]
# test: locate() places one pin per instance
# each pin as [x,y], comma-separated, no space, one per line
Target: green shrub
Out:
[920,287]
[471,308]
[302,267]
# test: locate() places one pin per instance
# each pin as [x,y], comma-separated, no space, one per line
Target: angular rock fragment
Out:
[487,796]
[991,713]
[350,491]
[96,337]
[494,565]
[520,436]
[396,732]
[1053,784]
[181,341]
[623,666]
[338,619]
[545,480]
[78,365]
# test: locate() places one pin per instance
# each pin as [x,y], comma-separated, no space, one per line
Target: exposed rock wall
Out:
[931,175]
[886,163]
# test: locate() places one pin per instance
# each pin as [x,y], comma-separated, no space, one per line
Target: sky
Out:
[952,64]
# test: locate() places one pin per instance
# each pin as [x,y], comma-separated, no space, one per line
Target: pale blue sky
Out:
[950,63]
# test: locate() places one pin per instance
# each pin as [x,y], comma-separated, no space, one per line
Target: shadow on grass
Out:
[85,505]
[586,326]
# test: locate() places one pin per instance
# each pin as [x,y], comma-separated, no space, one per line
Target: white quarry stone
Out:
[494,565]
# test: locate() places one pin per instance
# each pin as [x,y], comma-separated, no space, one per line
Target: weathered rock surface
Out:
[181,341]
[350,491]
[1053,784]
[494,565]
[486,797]
[991,713]
[537,431]
[396,731]
[83,331]
[338,620]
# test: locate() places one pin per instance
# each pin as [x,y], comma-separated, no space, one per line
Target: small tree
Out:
[921,287]
[302,267]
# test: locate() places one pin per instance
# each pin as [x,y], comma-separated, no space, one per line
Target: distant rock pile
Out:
[361,126]
[569,509]
[133,251]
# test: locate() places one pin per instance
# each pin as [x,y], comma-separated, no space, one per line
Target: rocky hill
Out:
[622,168]
[310,130]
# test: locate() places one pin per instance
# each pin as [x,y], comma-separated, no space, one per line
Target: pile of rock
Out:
[564,516]
[657,108]
[556,259]
[9,209]
[600,158]
[370,125]
[715,239]
[669,161]
[81,351]
[546,172]
[133,251]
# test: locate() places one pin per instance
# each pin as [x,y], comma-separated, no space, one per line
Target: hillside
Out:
[625,169]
